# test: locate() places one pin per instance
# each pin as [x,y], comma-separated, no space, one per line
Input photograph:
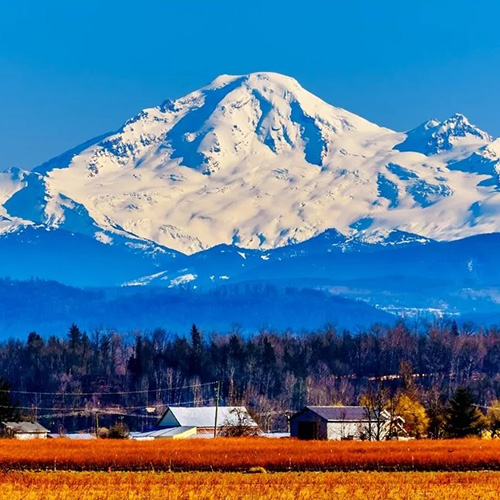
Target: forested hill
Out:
[48,308]
[64,380]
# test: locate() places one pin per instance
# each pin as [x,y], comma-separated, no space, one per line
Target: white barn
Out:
[203,418]
[341,422]
[24,430]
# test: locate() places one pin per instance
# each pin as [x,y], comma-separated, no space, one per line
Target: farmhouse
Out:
[342,422]
[24,430]
[230,419]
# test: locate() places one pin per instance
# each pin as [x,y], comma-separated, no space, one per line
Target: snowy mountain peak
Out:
[430,124]
[258,161]
[256,80]
[459,126]
[434,137]
[233,116]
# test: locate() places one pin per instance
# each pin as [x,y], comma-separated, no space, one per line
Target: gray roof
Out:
[340,413]
[204,416]
[25,427]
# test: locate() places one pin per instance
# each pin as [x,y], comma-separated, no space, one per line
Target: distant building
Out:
[342,422]
[24,430]
[74,436]
[168,433]
[202,419]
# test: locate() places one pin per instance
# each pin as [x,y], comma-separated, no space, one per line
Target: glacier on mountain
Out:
[258,161]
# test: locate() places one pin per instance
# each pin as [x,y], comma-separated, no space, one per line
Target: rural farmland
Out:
[248,468]
[232,486]
[249,250]
[245,454]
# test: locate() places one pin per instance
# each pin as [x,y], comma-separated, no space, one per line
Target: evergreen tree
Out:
[462,417]
[74,336]
[196,340]
[8,410]
[196,362]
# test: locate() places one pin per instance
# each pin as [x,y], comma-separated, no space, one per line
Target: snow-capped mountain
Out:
[455,133]
[259,162]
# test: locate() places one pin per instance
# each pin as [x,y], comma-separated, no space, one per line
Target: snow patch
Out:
[182,280]
[104,238]
[145,280]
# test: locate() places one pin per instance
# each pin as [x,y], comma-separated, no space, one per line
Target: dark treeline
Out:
[63,379]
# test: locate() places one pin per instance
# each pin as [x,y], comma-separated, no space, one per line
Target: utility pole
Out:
[96,424]
[216,407]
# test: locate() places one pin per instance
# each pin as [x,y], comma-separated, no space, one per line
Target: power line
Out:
[484,407]
[80,408]
[102,409]
[110,393]
[76,414]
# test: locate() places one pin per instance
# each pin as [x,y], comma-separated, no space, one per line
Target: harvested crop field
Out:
[280,486]
[240,454]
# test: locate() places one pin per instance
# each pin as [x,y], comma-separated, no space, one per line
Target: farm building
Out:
[230,420]
[342,422]
[167,433]
[24,430]
[74,436]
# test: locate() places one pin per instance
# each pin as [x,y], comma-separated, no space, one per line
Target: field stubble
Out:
[239,455]
[218,469]
[24,485]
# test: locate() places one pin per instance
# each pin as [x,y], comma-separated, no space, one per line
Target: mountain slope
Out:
[259,162]
[402,275]
[74,259]
[49,308]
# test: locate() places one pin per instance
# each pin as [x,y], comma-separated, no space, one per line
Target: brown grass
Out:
[233,454]
[238,486]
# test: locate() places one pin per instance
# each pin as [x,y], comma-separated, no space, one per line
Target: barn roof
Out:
[341,413]
[204,416]
[25,427]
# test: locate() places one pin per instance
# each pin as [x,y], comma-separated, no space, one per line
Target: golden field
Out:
[279,486]
[214,469]
[240,454]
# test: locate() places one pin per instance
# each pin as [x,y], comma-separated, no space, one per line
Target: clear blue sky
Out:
[73,69]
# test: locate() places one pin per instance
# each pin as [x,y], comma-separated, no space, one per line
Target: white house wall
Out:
[344,430]
[355,430]
[26,437]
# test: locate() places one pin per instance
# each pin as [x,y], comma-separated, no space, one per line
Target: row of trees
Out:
[458,418]
[414,371]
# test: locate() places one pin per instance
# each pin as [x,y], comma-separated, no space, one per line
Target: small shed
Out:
[340,422]
[166,433]
[74,436]
[24,430]
[203,418]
